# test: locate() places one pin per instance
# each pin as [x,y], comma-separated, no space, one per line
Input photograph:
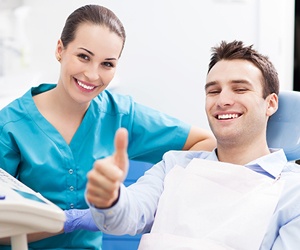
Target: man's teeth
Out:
[85,86]
[227,116]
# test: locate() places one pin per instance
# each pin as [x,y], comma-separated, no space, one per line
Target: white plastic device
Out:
[24,211]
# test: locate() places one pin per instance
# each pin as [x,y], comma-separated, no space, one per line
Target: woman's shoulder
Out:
[20,107]
[19,103]
[107,95]
[13,111]
[108,101]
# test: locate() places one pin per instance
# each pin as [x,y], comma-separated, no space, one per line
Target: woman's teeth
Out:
[85,86]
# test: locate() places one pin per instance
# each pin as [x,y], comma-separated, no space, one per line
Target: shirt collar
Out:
[272,164]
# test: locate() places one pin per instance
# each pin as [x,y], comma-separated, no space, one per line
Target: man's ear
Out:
[272,102]
[59,49]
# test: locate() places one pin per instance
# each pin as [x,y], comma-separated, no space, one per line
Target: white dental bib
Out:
[213,205]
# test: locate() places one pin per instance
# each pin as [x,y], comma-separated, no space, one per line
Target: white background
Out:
[166,54]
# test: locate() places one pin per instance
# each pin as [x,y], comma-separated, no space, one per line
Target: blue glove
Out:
[79,219]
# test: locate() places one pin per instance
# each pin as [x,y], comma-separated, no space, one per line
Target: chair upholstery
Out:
[127,242]
[283,129]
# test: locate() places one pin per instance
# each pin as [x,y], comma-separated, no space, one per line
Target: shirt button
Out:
[70,171]
[71,188]
[71,205]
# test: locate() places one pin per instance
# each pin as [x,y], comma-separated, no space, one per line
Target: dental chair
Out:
[127,242]
[283,131]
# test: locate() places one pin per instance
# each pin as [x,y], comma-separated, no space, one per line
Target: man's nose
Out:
[225,98]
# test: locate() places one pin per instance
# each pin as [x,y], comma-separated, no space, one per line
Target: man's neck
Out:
[241,154]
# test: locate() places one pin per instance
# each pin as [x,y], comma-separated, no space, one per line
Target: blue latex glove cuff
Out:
[79,219]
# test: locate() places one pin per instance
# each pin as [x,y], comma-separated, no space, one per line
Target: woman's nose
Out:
[92,73]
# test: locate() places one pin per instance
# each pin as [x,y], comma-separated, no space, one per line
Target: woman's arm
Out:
[75,219]
[200,139]
[30,237]
[39,236]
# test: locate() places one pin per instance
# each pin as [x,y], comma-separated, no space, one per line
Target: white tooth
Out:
[84,86]
[227,116]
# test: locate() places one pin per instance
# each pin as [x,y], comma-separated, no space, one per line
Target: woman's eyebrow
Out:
[90,52]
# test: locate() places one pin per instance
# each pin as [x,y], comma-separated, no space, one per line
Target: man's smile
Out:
[228,116]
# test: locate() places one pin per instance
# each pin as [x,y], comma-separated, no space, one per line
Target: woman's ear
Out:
[58,50]
[272,101]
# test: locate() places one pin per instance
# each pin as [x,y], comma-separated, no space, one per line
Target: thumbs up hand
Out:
[107,174]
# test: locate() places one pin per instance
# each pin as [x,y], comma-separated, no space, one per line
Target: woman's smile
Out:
[83,86]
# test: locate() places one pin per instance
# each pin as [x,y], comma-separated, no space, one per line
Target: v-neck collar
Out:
[46,126]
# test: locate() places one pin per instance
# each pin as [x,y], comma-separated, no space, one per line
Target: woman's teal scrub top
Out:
[32,150]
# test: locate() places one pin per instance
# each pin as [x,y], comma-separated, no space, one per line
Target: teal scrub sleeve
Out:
[154,133]
[151,132]
[9,159]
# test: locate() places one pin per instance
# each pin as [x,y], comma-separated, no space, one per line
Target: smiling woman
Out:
[87,66]
[52,135]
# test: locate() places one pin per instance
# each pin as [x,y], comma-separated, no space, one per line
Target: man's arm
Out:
[104,179]
[288,238]
[116,209]
[134,211]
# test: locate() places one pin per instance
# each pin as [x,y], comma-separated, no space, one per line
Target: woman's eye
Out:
[108,64]
[84,57]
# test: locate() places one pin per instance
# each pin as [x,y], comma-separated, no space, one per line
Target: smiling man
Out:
[242,195]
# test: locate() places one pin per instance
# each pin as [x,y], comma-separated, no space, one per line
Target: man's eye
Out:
[241,90]
[211,92]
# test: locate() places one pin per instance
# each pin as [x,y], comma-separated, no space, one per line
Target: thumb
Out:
[121,156]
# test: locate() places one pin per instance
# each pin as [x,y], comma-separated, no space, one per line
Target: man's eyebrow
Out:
[208,84]
[236,81]
[243,81]
[92,54]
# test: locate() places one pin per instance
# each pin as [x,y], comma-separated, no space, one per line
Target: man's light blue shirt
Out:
[135,210]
